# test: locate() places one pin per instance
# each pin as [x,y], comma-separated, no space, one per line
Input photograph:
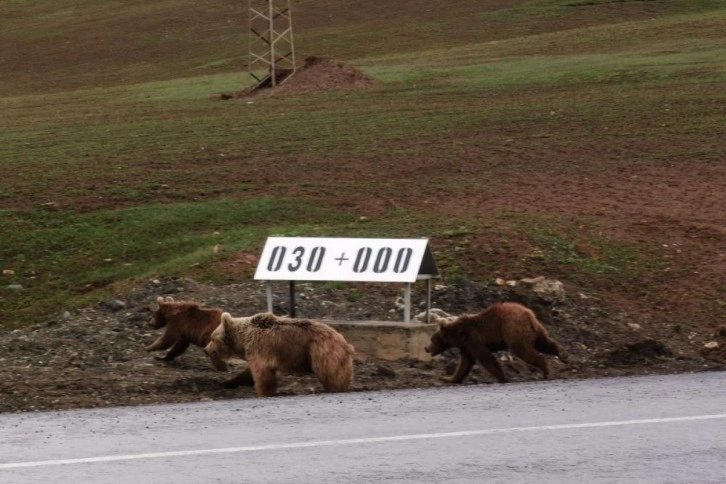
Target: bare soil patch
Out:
[95,357]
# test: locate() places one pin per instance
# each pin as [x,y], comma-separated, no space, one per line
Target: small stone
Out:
[385,371]
[115,304]
[547,289]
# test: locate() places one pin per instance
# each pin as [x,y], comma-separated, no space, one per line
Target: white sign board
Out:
[341,259]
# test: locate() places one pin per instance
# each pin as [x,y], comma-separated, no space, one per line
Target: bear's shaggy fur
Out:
[501,326]
[186,323]
[270,343]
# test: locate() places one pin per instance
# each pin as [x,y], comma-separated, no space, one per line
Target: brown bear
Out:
[269,343]
[186,323]
[501,326]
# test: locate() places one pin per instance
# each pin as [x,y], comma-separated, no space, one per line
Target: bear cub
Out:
[186,323]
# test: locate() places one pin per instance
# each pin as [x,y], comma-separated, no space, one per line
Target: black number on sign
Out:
[275,262]
[313,261]
[362,259]
[403,258]
[316,259]
[382,259]
[299,252]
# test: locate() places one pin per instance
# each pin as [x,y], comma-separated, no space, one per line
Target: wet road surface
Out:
[660,429]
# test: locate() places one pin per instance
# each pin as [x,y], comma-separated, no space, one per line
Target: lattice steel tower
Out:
[271,58]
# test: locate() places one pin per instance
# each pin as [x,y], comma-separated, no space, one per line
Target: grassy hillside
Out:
[541,136]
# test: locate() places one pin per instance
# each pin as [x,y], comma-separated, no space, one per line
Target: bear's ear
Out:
[226,319]
[158,304]
[160,301]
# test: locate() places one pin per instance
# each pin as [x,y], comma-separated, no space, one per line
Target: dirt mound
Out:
[317,75]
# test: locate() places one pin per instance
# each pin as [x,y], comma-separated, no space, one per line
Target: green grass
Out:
[60,257]
[120,163]
[590,257]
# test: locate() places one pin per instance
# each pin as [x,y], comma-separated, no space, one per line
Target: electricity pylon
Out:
[271,58]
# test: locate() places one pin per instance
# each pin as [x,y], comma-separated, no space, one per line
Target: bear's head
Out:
[441,340]
[162,311]
[221,344]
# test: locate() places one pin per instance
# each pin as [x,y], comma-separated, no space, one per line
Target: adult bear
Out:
[186,323]
[501,326]
[270,343]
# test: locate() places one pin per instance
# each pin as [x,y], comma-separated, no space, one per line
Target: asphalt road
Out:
[660,429]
